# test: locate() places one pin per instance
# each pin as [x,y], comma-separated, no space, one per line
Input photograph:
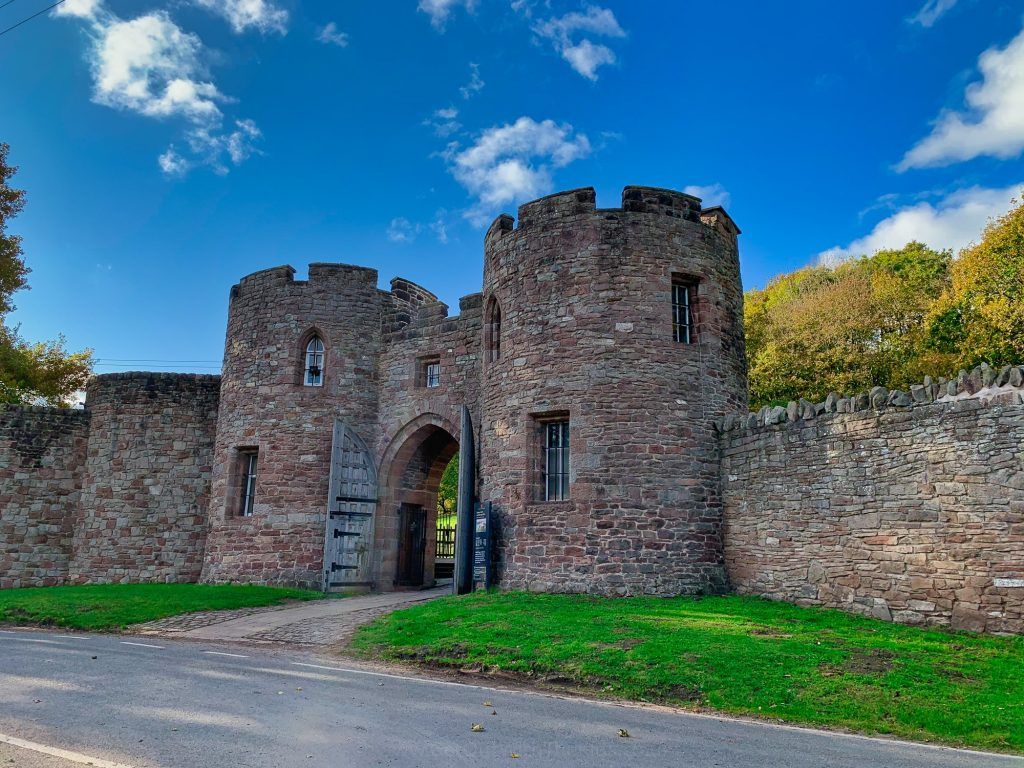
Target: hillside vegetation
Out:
[889,319]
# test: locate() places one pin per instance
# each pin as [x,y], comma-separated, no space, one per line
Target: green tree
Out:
[30,372]
[980,318]
[845,329]
[448,490]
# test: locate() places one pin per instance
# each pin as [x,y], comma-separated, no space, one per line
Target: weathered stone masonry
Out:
[115,492]
[902,506]
[906,505]
[42,457]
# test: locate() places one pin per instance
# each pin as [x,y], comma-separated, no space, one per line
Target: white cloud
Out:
[994,121]
[331,35]
[475,84]
[952,223]
[441,10]
[173,164]
[83,9]
[584,56]
[710,195]
[211,146]
[931,11]
[150,66]
[444,122]
[513,162]
[260,15]
[401,230]
[440,227]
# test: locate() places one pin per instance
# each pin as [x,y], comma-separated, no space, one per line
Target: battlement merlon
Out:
[635,199]
[323,276]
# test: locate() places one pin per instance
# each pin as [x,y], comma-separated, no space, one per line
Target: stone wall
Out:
[42,454]
[901,505]
[146,478]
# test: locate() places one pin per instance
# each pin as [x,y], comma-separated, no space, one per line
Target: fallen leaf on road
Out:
[476,728]
[623,733]
[515,755]
[488,704]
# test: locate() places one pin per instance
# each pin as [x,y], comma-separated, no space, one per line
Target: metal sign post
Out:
[482,547]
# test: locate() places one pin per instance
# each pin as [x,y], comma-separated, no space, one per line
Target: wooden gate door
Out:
[351,505]
[412,545]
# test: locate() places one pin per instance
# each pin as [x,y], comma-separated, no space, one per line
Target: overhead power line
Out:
[25,20]
[4,5]
[149,360]
[150,365]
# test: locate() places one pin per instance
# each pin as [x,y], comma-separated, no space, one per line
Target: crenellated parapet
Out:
[984,384]
[323,278]
[575,204]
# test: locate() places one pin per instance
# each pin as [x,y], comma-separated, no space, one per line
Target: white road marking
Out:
[74,637]
[33,640]
[143,645]
[233,655]
[75,757]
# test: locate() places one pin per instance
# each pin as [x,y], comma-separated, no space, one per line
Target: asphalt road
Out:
[145,703]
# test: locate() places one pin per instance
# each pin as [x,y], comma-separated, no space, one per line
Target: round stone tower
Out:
[615,336]
[267,409]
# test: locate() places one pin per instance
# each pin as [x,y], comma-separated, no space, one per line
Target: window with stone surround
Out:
[554,459]
[492,337]
[313,371]
[246,474]
[684,309]
[429,372]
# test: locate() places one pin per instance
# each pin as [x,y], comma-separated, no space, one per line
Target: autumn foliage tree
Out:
[889,319]
[980,318]
[846,328]
[30,372]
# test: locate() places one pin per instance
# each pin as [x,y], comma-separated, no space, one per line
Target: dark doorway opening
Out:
[412,545]
[412,531]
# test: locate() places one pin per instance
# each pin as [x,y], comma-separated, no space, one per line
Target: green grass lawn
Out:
[732,654]
[112,606]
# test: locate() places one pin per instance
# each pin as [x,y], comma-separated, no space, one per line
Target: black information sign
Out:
[482,546]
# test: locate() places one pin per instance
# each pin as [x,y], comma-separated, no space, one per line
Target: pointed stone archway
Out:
[410,474]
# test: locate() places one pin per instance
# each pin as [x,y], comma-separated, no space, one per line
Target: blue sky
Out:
[171,147]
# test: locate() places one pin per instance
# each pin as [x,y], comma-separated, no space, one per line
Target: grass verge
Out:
[113,606]
[732,654]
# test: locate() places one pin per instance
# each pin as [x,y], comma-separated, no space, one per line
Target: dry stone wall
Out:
[146,479]
[42,455]
[904,505]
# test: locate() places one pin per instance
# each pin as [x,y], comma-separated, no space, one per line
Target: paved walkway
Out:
[317,623]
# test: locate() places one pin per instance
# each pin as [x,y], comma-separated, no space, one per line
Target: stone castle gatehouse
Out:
[596,390]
